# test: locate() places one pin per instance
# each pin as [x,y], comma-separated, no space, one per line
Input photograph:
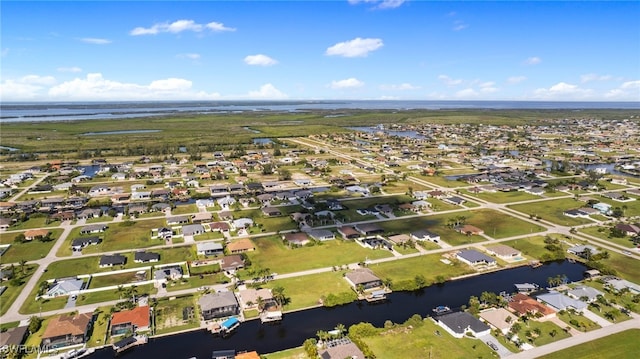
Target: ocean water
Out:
[67,111]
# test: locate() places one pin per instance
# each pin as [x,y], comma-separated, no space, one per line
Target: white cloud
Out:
[357,47]
[25,88]
[346,83]
[594,77]
[628,91]
[380,4]
[533,60]
[449,81]
[563,90]
[268,92]
[516,79]
[459,25]
[95,41]
[69,69]
[488,87]
[95,87]
[399,87]
[467,93]
[179,26]
[259,60]
[190,56]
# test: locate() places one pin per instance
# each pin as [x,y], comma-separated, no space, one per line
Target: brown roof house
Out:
[130,321]
[502,251]
[522,304]
[363,277]
[341,349]
[67,329]
[296,238]
[242,245]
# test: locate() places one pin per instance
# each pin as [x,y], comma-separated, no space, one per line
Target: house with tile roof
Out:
[131,321]
[67,329]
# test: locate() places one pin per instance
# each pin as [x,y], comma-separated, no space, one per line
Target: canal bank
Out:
[295,327]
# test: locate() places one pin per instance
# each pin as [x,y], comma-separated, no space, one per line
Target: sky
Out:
[320,50]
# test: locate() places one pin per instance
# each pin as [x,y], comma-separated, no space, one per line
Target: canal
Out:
[298,326]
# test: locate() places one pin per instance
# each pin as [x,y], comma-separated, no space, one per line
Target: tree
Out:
[420,281]
[340,328]
[23,267]
[279,296]
[34,324]
[284,174]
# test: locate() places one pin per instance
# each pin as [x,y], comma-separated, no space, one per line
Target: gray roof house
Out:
[321,234]
[218,305]
[146,257]
[425,235]
[192,229]
[459,323]
[209,248]
[591,294]
[112,260]
[93,228]
[173,272]
[79,243]
[65,287]
[559,301]
[473,257]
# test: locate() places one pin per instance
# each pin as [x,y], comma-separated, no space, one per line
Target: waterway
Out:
[296,327]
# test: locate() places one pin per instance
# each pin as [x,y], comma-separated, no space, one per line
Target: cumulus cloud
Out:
[379,4]
[268,92]
[346,83]
[357,47]
[516,79]
[488,87]
[399,87]
[95,41]
[449,81]
[467,93]
[594,77]
[627,91]
[179,26]
[69,69]
[534,60]
[259,60]
[95,87]
[563,90]
[25,88]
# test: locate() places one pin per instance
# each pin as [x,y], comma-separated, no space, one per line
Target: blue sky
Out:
[322,50]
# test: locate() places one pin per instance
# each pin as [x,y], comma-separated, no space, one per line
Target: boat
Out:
[441,309]
[526,287]
[229,325]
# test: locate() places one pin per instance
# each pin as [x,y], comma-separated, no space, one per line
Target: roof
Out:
[524,304]
[361,276]
[231,262]
[208,246]
[13,336]
[67,324]
[560,301]
[248,355]
[588,292]
[503,250]
[146,256]
[138,316]
[217,300]
[474,256]
[124,342]
[347,350]
[241,245]
[36,233]
[112,259]
[369,227]
[460,322]
[497,317]
[67,286]
[400,238]
[229,322]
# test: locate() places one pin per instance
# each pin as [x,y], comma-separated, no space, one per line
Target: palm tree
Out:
[260,303]
[23,264]
[340,328]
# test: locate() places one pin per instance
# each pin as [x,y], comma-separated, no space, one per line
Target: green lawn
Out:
[272,253]
[626,266]
[28,251]
[605,233]
[552,211]
[534,247]
[305,291]
[34,222]
[623,345]
[12,292]
[108,295]
[584,324]
[546,330]
[100,326]
[168,315]
[428,266]
[293,353]
[197,281]
[504,197]
[184,209]
[113,279]
[420,341]
[623,299]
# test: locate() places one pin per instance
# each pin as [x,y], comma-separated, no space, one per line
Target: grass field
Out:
[546,330]
[402,341]
[504,197]
[584,324]
[624,345]
[31,250]
[552,211]
[168,314]
[113,279]
[305,291]
[293,353]
[100,326]
[12,292]
[604,233]
[272,253]
[533,247]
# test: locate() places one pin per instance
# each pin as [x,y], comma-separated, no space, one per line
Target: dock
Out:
[129,342]
[270,316]
[535,264]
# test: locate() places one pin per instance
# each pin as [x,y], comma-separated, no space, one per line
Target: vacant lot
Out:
[624,345]
[28,251]
[169,314]
[305,291]
[552,211]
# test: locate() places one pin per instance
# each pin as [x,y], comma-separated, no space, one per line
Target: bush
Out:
[333,300]
[362,330]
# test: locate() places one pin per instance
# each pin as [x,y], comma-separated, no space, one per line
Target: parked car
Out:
[492,346]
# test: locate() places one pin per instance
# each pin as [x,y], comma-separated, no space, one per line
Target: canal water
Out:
[298,326]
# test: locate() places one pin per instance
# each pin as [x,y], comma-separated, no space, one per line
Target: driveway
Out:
[71,302]
[502,350]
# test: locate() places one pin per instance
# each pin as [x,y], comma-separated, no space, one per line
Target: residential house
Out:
[241,223]
[499,318]
[560,301]
[65,287]
[400,238]
[146,257]
[604,208]
[296,238]
[341,349]
[223,227]
[67,329]
[250,298]
[583,251]
[218,305]
[271,211]
[369,229]
[131,321]
[209,249]
[459,324]
[110,260]
[167,273]
[503,251]
[177,220]
[522,304]
[585,293]
[363,277]
[231,263]
[93,228]
[474,258]
[192,229]
[321,234]
[240,246]
[469,229]
[79,243]
[348,232]
[425,235]
[36,234]
[628,229]
[13,337]
[201,217]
